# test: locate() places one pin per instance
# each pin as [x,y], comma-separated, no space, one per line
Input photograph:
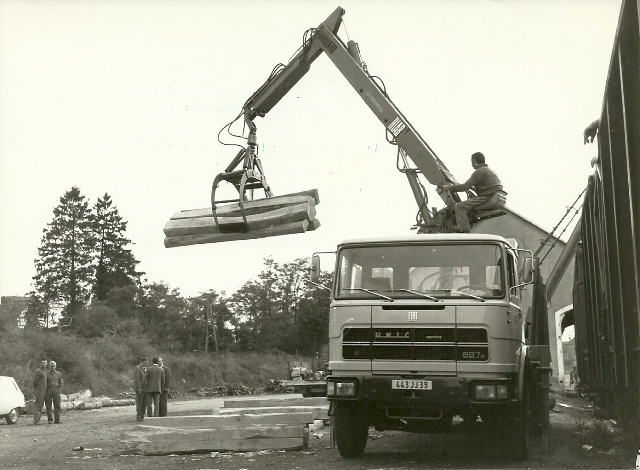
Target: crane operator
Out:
[483,181]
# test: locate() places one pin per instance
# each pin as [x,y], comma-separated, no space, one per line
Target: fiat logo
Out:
[413,316]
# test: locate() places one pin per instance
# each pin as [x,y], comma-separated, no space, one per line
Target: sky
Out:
[127,98]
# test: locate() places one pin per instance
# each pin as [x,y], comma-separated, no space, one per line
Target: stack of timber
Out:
[83,400]
[216,433]
[268,217]
[244,426]
[318,406]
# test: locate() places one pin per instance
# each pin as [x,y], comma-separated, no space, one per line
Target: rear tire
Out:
[351,429]
[12,417]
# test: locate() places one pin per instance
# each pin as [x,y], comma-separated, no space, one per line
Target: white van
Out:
[11,400]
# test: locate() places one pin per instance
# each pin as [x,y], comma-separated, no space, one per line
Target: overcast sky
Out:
[127,98]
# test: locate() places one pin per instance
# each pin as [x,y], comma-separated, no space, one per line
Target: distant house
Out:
[12,310]
[530,236]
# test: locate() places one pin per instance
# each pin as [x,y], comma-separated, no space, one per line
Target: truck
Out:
[427,327]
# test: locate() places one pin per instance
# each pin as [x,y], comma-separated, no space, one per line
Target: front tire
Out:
[351,429]
[12,417]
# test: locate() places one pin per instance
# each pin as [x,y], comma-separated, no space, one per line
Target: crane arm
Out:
[283,80]
[346,58]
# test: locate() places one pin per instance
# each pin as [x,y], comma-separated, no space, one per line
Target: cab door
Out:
[516,314]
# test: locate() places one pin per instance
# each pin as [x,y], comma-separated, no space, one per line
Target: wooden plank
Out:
[205,225]
[287,229]
[231,420]
[274,202]
[318,412]
[165,434]
[313,225]
[245,445]
[275,402]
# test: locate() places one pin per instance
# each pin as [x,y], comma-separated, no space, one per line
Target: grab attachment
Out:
[249,177]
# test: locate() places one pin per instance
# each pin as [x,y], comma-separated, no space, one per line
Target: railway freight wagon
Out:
[607,268]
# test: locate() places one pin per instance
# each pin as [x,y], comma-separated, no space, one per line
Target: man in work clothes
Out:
[483,181]
[39,390]
[52,399]
[165,390]
[153,384]
[138,377]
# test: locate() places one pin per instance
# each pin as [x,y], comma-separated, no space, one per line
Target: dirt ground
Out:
[576,441]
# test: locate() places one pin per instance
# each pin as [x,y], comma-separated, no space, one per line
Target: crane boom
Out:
[414,154]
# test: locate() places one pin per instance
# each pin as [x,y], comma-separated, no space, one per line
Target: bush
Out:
[105,365]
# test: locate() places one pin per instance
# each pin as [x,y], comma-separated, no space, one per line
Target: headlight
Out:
[485,392]
[491,392]
[341,388]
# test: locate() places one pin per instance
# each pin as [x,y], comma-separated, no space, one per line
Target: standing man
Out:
[483,181]
[153,384]
[165,390]
[52,400]
[39,390]
[138,378]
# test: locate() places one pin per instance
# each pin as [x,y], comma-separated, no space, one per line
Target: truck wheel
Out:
[12,417]
[515,433]
[351,429]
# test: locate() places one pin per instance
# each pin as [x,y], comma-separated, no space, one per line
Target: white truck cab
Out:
[424,328]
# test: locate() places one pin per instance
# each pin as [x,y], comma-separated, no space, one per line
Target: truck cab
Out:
[423,329]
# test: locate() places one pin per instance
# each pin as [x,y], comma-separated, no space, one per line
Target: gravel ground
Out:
[576,441]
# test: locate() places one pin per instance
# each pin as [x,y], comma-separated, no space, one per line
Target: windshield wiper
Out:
[452,291]
[420,294]
[372,292]
[467,294]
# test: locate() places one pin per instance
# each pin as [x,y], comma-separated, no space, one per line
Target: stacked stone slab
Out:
[268,217]
[241,427]
[318,407]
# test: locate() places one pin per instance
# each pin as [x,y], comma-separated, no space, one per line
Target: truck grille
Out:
[416,344]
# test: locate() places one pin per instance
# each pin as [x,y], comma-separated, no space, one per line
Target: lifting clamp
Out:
[249,177]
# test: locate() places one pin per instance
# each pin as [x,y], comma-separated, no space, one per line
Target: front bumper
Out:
[444,391]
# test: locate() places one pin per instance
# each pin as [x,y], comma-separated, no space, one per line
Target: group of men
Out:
[151,384]
[47,384]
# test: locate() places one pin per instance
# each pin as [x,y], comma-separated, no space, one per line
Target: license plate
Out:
[411,384]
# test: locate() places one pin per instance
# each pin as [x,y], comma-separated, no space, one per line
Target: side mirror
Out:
[314,270]
[527,274]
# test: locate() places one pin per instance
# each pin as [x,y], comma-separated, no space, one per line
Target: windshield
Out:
[430,272]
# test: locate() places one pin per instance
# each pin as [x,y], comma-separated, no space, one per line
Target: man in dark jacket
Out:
[165,391]
[483,181]
[52,399]
[138,377]
[153,384]
[39,390]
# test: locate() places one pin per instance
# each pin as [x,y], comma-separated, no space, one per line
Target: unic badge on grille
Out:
[421,344]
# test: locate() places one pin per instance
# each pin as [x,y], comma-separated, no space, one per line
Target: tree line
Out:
[87,283]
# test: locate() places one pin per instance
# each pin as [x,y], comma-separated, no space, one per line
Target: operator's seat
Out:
[490,209]
[378,284]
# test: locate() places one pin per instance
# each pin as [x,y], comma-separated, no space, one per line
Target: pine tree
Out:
[115,264]
[63,269]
